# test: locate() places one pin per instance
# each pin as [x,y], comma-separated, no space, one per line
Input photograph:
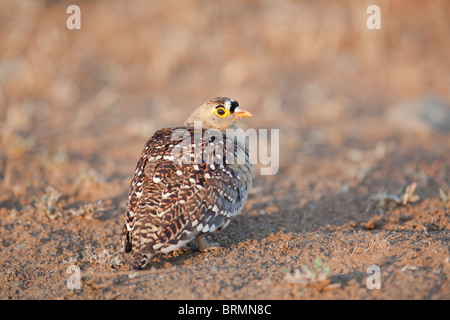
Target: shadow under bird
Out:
[174,202]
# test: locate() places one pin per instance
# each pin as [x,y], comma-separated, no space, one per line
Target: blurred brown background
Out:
[358,109]
[136,66]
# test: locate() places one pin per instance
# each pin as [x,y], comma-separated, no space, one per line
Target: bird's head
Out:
[217,113]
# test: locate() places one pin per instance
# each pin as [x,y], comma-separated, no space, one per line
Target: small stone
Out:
[426,114]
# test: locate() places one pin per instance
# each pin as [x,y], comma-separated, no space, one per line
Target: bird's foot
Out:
[205,245]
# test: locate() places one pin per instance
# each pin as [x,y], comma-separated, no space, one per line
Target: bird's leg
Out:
[204,245]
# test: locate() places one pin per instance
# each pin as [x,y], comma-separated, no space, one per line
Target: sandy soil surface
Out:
[363,118]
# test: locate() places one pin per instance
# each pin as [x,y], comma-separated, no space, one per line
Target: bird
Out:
[188,184]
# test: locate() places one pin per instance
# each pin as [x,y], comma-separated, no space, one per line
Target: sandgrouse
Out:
[189,180]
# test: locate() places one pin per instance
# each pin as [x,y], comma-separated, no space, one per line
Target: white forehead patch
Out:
[228,104]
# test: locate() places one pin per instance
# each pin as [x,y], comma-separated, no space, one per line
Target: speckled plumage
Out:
[171,203]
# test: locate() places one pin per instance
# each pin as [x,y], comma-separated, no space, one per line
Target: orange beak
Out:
[242,113]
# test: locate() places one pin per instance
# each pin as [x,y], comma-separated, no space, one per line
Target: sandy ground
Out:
[362,115]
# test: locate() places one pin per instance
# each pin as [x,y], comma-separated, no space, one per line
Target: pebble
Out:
[423,114]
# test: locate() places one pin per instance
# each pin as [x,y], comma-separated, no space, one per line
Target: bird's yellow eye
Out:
[222,112]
